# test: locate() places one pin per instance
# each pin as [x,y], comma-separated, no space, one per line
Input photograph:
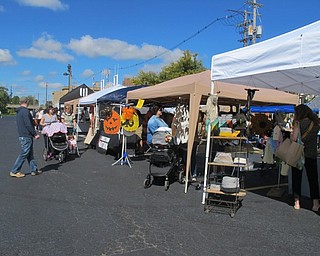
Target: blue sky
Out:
[39,38]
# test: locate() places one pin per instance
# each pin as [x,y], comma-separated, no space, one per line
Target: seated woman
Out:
[68,119]
[155,122]
[48,118]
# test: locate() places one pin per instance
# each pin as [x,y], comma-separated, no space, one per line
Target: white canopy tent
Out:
[289,62]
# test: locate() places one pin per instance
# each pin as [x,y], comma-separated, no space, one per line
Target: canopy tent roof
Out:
[80,91]
[167,93]
[92,98]
[289,62]
[119,95]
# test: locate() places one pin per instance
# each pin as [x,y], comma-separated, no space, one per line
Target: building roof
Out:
[80,91]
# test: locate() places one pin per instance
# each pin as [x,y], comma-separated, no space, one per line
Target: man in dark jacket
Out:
[26,134]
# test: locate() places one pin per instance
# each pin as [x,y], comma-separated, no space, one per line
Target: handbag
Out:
[292,152]
[295,155]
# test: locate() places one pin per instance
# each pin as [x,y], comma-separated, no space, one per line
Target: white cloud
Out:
[53,73]
[6,57]
[26,72]
[120,50]
[55,5]
[50,85]
[46,48]
[87,73]
[39,78]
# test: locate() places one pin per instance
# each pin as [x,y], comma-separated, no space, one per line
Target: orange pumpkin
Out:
[129,119]
[111,123]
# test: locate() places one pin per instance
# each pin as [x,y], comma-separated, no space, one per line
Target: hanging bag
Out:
[292,152]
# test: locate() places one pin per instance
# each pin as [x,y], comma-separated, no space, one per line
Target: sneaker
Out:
[17,174]
[36,172]
[194,179]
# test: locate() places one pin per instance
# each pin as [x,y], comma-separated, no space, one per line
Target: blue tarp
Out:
[273,109]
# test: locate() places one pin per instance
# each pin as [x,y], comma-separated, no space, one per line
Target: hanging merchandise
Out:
[180,124]
[212,111]
[129,119]
[111,123]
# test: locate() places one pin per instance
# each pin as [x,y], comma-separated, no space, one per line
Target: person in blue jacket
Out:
[155,122]
[27,133]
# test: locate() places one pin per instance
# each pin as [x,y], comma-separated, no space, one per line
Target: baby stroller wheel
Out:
[147,182]
[61,157]
[181,178]
[45,154]
[166,184]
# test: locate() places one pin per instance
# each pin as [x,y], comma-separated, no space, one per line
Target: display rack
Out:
[213,197]
[124,159]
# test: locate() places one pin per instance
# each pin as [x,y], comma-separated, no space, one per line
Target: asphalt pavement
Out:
[88,207]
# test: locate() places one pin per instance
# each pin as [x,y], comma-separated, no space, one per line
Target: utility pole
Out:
[250,29]
[245,26]
[255,6]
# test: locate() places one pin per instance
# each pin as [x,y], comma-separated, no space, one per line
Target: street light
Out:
[69,74]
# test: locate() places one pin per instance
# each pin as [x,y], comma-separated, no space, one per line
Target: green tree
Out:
[15,100]
[186,65]
[33,100]
[149,78]
[4,99]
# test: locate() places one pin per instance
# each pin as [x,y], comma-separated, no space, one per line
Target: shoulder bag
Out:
[292,152]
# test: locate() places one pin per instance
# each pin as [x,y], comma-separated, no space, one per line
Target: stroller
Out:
[164,159]
[57,144]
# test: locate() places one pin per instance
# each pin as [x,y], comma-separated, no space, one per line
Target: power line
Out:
[228,20]
[182,42]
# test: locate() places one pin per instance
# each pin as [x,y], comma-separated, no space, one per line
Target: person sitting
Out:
[155,122]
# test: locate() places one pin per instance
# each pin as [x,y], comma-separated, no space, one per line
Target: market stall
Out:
[194,89]
[115,95]
[289,62]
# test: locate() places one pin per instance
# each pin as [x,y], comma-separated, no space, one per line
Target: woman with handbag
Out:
[306,123]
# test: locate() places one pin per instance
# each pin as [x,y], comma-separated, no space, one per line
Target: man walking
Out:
[26,134]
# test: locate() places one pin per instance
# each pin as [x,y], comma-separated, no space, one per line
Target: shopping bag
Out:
[291,152]
[282,151]
[295,155]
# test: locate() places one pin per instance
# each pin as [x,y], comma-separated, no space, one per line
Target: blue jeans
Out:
[26,152]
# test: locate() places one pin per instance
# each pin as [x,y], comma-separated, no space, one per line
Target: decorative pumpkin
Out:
[129,119]
[111,123]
